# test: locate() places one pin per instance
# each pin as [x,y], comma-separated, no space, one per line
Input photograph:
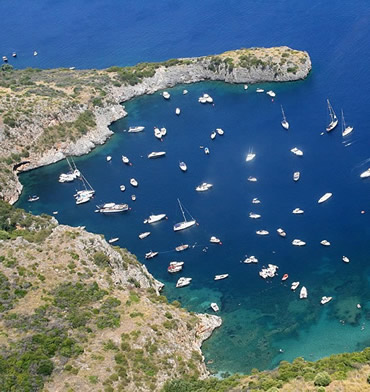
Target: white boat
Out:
[215,240]
[203,187]
[365,174]
[325,243]
[296,176]
[345,259]
[134,182]
[183,282]
[297,242]
[209,99]
[297,211]
[206,150]
[252,179]
[182,247]
[303,293]
[214,307]
[297,151]
[185,223]
[250,157]
[220,131]
[271,93]
[33,198]
[294,285]
[108,158]
[156,154]
[256,201]
[5,59]
[175,266]
[166,95]
[325,197]
[155,218]
[262,232]
[178,111]
[185,92]
[252,215]
[220,277]
[346,130]
[245,87]
[144,235]
[82,199]
[250,260]
[108,208]
[213,135]
[163,131]
[183,166]
[122,188]
[125,160]
[281,232]
[260,90]
[35,53]
[268,272]
[333,118]
[157,133]
[202,100]
[55,212]
[325,300]
[113,240]
[151,254]
[133,197]
[136,129]
[284,122]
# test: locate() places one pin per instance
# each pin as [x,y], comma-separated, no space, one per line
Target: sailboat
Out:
[284,122]
[185,224]
[346,130]
[333,117]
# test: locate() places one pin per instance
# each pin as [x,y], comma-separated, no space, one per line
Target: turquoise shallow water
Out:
[260,317]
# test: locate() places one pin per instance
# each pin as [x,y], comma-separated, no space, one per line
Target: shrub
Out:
[322,379]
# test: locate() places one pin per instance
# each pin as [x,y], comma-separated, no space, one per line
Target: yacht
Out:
[250,259]
[297,211]
[262,232]
[163,131]
[252,215]
[82,199]
[252,179]
[294,285]
[296,176]
[125,160]
[156,154]
[202,100]
[260,90]
[303,293]
[256,201]
[109,208]
[245,87]
[122,188]
[297,242]
[281,232]
[150,255]
[144,235]
[33,198]
[185,92]
[35,53]
[213,135]
[365,174]
[209,99]
[166,95]
[222,276]
[185,223]
[113,240]
[5,59]
[136,129]
[134,182]
[133,197]
[325,197]
[215,240]
[155,218]
[183,166]
[345,259]
[346,129]
[271,93]
[109,158]
[175,266]
[250,156]
[157,133]
[284,122]
[325,300]
[214,307]
[220,131]
[268,272]
[203,187]
[178,111]
[14,54]
[183,282]
[333,118]
[325,243]
[285,277]
[206,150]
[182,247]
[297,151]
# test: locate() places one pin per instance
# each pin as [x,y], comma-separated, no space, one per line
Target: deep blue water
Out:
[259,317]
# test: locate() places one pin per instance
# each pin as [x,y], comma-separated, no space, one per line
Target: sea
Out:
[264,321]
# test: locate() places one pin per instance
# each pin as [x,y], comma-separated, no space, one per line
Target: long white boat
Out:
[325,243]
[175,266]
[325,300]
[325,197]
[182,247]
[214,307]
[155,218]
[151,254]
[203,187]
[303,293]
[333,118]
[185,224]
[281,232]
[294,285]
[262,232]
[365,174]
[284,122]
[220,277]
[297,211]
[156,154]
[346,129]
[144,235]
[183,282]
[297,242]
[250,156]
[136,129]
[111,208]
[297,151]
[252,215]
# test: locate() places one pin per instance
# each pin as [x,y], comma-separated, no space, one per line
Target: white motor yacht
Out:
[327,196]
[271,93]
[345,259]
[214,307]
[213,135]
[178,111]
[268,272]
[325,300]
[215,240]
[183,282]
[250,259]
[175,266]
[157,133]
[125,160]
[144,235]
[34,198]
[262,232]
[134,182]
[220,277]
[260,90]
[220,131]
[83,199]
[297,151]
[297,211]
[325,243]
[166,95]
[252,215]
[303,293]
[294,285]
[365,174]
[136,129]
[183,166]
[202,100]
[281,232]
[297,242]
[203,187]
[151,254]
[182,247]
[156,154]
[296,176]
[252,179]
[250,157]
[155,218]
[109,158]
[108,208]
[256,201]
[163,131]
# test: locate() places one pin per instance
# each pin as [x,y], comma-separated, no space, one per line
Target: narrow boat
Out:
[256,201]
[297,242]
[296,176]
[333,118]
[297,211]
[220,277]
[156,154]
[365,174]
[33,198]
[166,95]
[303,293]
[183,166]
[113,240]
[111,208]
[151,254]
[325,197]
[214,307]
[122,188]
[250,259]
[125,160]
[178,111]
[136,129]
[213,135]
[144,235]
[285,277]
[182,247]
[252,179]
[297,151]
[185,223]
[108,158]
[346,130]
[325,243]
[281,232]
[271,93]
[325,300]
[252,215]
[294,285]
[284,122]
[262,232]
[134,182]
[206,150]
[203,187]
[250,157]
[345,259]
[215,240]
[220,131]
[175,266]
[260,90]
[183,282]
[155,218]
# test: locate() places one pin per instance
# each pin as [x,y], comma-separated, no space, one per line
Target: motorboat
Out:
[108,208]
[296,176]
[166,95]
[136,129]
[155,218]
[157,133]
[220,131]
[325,197]
[125,160]
[260,90]
[285,277]
[82,199]
[133,197]
[297,211]
[281,232]
[185,224]
[122,188]
[365,174]
[35,53]
[262,232]
[151,254]
[144,235]
[220,277]
[303,293]
[214,307]
[250,260]
[294,285]
[178,111]
[175,266]
[325,243]
[346,129]
[108,158]
[203,187]
[163,131]
[297,151]
[256,201]
[250,157]
[325,300]
[333,118]
[55,212]
[113,240]
[156,154]
[33,198]
[252,215]
[245,87]
[202,100]
[271,93]
[252,179]
[297,242]
[185,92]
[284,122]
[5,59]
[213,135]
[345,259]
[134,182]
[206,150]
[183,166]
[268,272]
[183,282]
[182,247]
[215,240]
[14,54]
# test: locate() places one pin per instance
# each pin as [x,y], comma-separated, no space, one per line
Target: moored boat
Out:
[252,215]
[262,232]
[134,182]
[345,259]
[220,131]
[156,154]
[166,95]
[155,218]
[255,200]
[346,129]
[214,307]
[297,151]
[298,242]
[185,223]
[325,300]
[252,179]
[284,123]
[183,166]
[297,211]
[113,240]
[182,247]
[183,282]
[260,90]
[125,160]
[33,198]
[296,176]
[294,285]
[203,187]
[150,255]
[333,118]
[122,188]
[108,208]
[271,93]
[175,266]
[144,235]
[220,277]
[206,150]
[281,232]
[178,111]
[325,197]
[250,259]
[285,277]
[213,135]
[108,158]
[136,129]
[325,243]
[268,272]
[215,240]
[303,293]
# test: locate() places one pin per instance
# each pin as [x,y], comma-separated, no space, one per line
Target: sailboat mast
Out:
[182,211]
[282,111]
